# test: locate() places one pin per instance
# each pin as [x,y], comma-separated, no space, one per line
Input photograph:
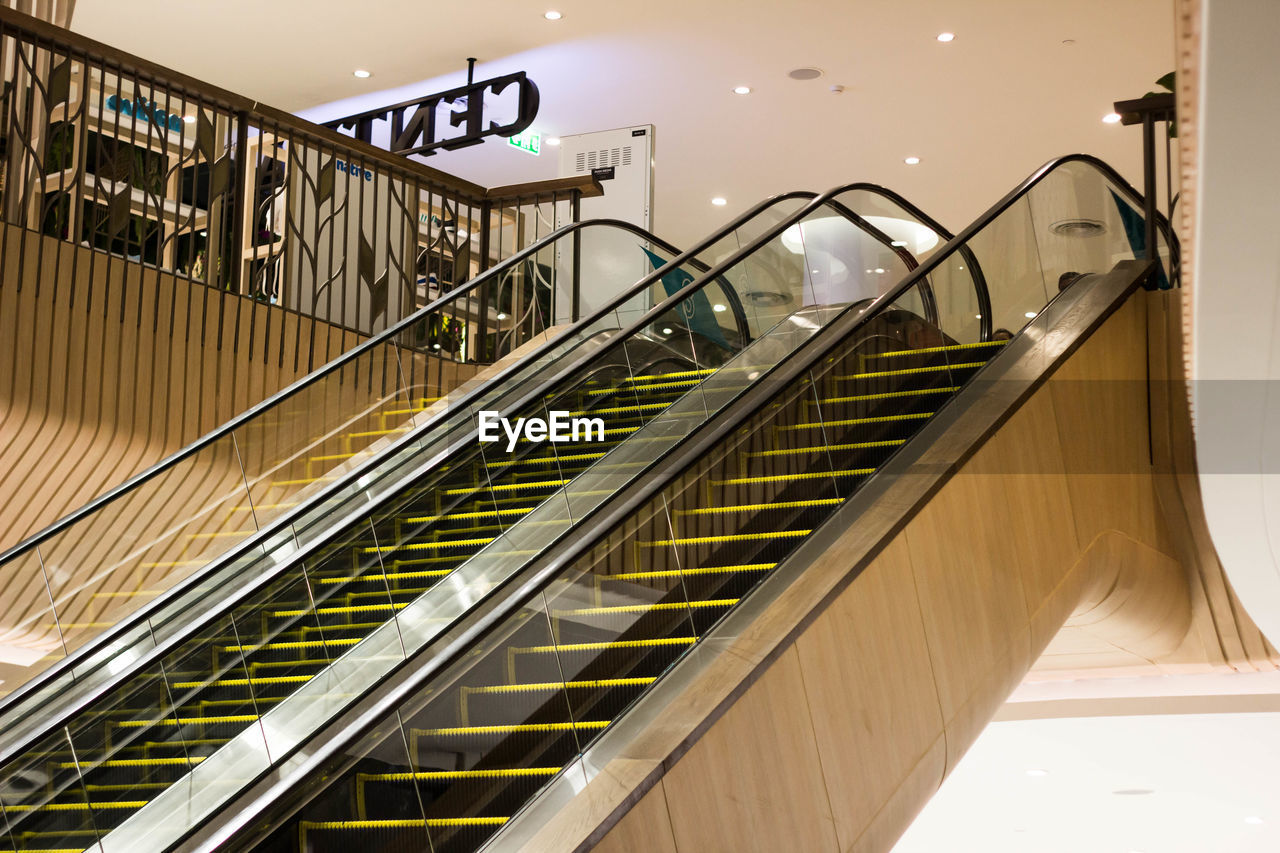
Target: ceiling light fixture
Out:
[1111,118]
[1036,771]
[361,73]
[1030,315]
[719,201]
[946,37]
[912,161]
[666,331]
[189,119]
[742,90]
[552,140]
[502,315]
[717,307]
[879,270]
[552,15]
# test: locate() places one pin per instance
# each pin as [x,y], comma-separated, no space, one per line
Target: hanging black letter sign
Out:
[417,135]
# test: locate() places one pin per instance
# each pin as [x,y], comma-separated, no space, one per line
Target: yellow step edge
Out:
[604,646]
[883,419]
[906,371]
[536,687]
[517,728]
[718,510]
[576,457]
[426,546]
[857,445]
[925,351]
[361,608]
[509,487]
[428,519]
[657,386]
[786,478]
[688,573]
[185,721]
[78,807]
[431,573]
[134,762]
[888,395]
[725,537]
[432,823]
[645,608]
[444,775]
[244,682]
[292,645]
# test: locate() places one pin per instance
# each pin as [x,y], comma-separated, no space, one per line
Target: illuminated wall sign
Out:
[527,140]
[413,123]
[145,110]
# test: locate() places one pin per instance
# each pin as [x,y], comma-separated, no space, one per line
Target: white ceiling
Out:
[1201,791]
[981,112]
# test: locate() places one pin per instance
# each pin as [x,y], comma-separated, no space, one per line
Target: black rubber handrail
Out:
[714,275]
[395,687]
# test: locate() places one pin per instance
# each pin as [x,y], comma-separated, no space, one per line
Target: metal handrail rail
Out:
[432,660]
[36,30]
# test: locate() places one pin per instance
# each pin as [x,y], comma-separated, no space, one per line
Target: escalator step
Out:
[888,395]
[931,350]
[907,371]
[882,419]
[515,728]
[691,572]
[719,510]
[857,445]
[786,478]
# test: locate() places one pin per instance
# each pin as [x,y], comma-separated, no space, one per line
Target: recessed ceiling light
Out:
[502,315]
[552,15]
[946,37]
[804,73]
[666,331]
[1111,118]
[815,272]
[1254,821]
[1030,315]
[435,346]
[742,90]
[717,307]
[1133,792]
[719,201]
[879,271]
[552,140]
[361,73]
[899,243]
[1036,771]
[912,161]
[189,119]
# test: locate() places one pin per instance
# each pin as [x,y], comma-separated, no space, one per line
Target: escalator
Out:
[442,754]
[189,701]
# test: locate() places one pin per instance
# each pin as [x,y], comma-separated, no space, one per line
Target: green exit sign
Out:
[527,141]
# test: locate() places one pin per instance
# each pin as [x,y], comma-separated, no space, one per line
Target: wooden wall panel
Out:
[107,367]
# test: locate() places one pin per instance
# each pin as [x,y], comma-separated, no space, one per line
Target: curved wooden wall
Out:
[93,391]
